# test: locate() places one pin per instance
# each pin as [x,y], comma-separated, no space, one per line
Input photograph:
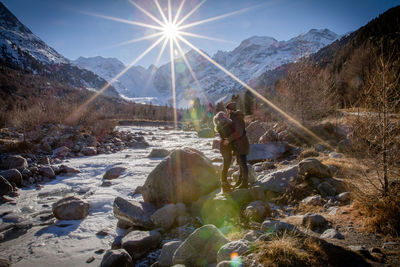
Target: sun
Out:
[170,30]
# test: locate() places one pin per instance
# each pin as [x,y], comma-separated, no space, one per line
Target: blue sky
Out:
[65,26]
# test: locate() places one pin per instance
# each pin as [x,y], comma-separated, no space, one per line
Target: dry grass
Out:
[308,153]
[289,250]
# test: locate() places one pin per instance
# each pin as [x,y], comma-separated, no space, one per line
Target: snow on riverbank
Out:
[71,243]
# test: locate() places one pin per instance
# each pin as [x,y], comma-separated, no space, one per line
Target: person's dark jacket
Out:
[238,139]
[225,129]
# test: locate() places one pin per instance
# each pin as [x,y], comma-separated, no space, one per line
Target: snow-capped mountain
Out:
[250,59]
[19,46]
[136,82]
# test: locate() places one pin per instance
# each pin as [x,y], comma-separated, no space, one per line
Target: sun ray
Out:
[131,22]
[216,18]
[79,110]
[164,45]
[203,37]
[169,12]
[161,11]
[190,70]
[257,94]
[146,12]
[178,13]
[137,40]
[190,13]
[171,54]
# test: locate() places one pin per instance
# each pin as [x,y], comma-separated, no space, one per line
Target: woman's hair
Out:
[219,119]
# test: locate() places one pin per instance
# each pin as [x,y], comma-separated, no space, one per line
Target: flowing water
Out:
[71,243]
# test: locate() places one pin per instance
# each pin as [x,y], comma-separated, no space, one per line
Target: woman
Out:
[225,129]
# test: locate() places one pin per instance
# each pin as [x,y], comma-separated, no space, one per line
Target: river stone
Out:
[279,181]
[13,162]
[165,216]
[255,211]
[89,151]
[71,208]
[343,197]
[206,133]
[312,167]
[113,173]
[253,235]
[116,258]
[5,186]
[255,130]
[138,243]
[183,176]
[68,170]
[60,152]
[276,226]
[12,176]
[201,247]
[312,200]
[239,246]
[47,171]
[167,253]
[326,189]
[263,152]
[158,153]
[313,221]
[332,234]
[133,213]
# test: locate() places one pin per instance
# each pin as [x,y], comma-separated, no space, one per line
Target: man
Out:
[239,142]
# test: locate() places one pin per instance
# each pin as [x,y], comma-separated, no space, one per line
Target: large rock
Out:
[313,221]
[270,151]
[12,176]
[167,253]
[269,136]
[113,173]
[138,243]
[255,211]
[61,152]
[158,153]
[206,133]
[89,151]
[5,186]
[116,258]
[201,247]
[165,216]
[313,200]
[13,162]
[71,208]
[277,226]
[312,167]
[47,171]
[279,181]
[183,176]
[240,247]
[332,234]
[326,189]
[255,130]
[133,213]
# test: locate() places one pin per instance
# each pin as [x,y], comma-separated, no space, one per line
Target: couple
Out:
[231,128]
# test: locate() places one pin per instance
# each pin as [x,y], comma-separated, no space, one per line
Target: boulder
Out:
[113,173]
[158,153]
[206,133]
[240,247]
[279,180]
[332,234]
[165,216]
[47,171]
[167,253]
[133,213]
[255,130]
[68,170]
[336,155]
[312,200]
[255,211]
[253,235]
[116,258]
[13,162]
[313,221]
[269,136]
[71,208]
[89,151]
[312,167]
[270,151]
[5,186]
[201,247]
[183,176]
[61,152]
[326,189]
[277,226]
[12,176]
[138,243]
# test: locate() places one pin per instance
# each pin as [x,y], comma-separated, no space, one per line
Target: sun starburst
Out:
[170,29]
